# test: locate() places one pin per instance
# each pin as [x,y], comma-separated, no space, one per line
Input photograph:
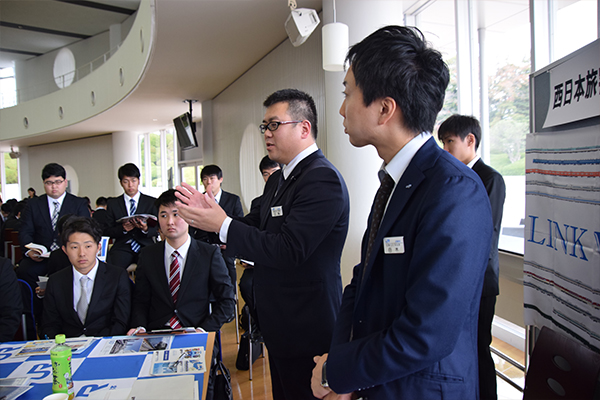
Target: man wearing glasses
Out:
[295,239]
[39,221]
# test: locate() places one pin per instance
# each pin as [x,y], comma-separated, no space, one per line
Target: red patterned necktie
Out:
[174,281]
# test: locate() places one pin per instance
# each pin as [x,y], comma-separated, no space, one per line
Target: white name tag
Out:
[276,211]
[393,245]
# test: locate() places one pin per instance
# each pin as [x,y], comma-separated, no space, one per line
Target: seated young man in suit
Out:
[133,234]
[91,298]
[178,277]
[212,179]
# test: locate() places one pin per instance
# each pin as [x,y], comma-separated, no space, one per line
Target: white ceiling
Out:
[201,47]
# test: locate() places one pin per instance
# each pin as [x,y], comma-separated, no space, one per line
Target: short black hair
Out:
[101,201]
[129,169]
[301,106]
[62,221]
[267,163]
[81,225]
[461,126]
[396,62]
[53,169]
[31,189]
[166,198]
[211,170]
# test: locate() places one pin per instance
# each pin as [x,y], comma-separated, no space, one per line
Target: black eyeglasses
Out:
[273,125]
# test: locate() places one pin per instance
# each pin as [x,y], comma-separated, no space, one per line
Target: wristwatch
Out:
[324,382]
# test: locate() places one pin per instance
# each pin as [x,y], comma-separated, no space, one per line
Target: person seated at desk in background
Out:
[92,298]
[10,301]
[100,213]
[175,279]
[130,235]
[212,179]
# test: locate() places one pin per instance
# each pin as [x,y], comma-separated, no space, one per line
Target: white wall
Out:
[240,106]
[90,158]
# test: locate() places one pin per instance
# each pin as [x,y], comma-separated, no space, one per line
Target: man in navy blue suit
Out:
[461,135]
[39,225]
[407,328]
[295,238]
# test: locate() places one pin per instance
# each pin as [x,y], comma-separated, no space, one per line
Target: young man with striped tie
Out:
[176,279]
[130,235]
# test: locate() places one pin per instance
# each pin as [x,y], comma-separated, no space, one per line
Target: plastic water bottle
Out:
[60,356]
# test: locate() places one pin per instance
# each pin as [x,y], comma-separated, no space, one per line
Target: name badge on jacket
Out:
[393,245]
[276,211]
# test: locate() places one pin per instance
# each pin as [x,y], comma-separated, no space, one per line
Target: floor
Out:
[259,388]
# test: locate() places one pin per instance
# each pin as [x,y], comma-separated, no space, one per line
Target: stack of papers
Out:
[11,388]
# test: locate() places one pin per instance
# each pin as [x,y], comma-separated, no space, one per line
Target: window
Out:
[11,189]
[8,88]
[157,161]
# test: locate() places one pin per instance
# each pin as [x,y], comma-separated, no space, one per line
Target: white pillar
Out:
[125,150]
[358,166]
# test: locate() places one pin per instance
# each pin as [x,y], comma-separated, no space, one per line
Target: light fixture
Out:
[300,23]
[335,44]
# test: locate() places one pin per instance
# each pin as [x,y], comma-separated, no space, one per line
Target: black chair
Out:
[561,368]
[27,329]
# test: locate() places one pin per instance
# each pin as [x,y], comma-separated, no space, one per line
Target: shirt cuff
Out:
[224,229]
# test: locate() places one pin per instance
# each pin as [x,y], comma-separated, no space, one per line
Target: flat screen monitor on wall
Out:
[186,131]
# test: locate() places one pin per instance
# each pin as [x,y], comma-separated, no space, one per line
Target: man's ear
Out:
[471,140]
[387,109]
[306,127]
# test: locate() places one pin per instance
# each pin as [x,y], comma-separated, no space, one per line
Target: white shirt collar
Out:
[60,201]
[218,196]
[287,169]
[473,161]
[92,274]
[396,167]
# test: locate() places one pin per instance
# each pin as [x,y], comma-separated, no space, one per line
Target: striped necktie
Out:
[135,246]
[174,281]
[56,204]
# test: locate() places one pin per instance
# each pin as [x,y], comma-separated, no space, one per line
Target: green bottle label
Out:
[62,381]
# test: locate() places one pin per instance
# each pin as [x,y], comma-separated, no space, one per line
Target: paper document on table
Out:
[128,345]
[178,361]
[172,387]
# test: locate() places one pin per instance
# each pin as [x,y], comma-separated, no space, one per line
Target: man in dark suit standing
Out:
[39,220]
[295,239]
[130,235]
[408,322]
[212,179]
[461,135]
[176,278]
[91,298]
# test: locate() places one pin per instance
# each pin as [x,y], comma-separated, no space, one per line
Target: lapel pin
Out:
[409,186]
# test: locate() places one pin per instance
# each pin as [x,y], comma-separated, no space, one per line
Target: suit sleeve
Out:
[238,211]
[122,305]
[10,301]
[222,290]
[27,229]
[113,229]
[82,208]
[318,204]
[496,190]
[442,287]
[52,319]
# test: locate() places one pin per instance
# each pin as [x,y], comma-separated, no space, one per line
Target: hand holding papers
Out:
[41,250]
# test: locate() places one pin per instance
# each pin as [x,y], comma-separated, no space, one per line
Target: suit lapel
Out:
[121,202]
[97,292]
[67,288]
[409,181]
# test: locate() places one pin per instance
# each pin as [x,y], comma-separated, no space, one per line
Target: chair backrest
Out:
[27,293]
[561,368]
[103,248]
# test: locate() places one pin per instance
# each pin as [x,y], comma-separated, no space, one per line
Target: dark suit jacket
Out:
[496,190]
[231,204]
[204,274]
[36,225]
[408,330]
[116,210]
[108,311]
[10,301]
[297,281]
[101,216]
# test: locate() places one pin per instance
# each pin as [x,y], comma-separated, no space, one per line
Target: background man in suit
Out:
[133,234]
[91,298]
[10,301]
[295,239]
[408,322]
[100,213]
[175,278]
[38,225]
[212,179]
[461,135]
